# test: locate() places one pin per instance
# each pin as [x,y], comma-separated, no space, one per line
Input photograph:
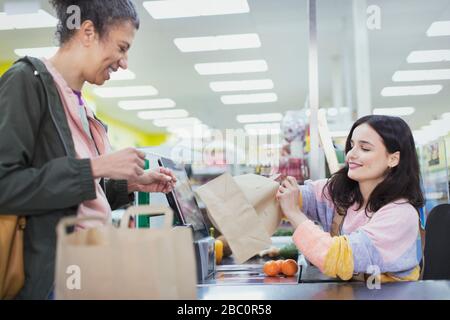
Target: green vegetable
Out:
[283,233]
[289,251]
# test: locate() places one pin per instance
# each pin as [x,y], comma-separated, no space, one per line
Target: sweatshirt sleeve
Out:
[388,242]
[117,193]
[60,183]
[313,202]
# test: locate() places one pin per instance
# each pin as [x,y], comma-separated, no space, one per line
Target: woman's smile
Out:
[354,165]
[109,71]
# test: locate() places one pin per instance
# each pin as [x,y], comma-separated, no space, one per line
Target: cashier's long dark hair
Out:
[401,182]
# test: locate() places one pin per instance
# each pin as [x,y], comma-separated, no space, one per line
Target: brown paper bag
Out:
[112,263]
[232,213]
[260,192]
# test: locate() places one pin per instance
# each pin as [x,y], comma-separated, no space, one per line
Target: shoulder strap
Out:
[38,68]
[44,75]
[37,64]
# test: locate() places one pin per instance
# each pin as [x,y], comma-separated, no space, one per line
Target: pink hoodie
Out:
[85,147]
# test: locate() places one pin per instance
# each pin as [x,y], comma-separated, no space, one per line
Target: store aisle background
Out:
[382,44]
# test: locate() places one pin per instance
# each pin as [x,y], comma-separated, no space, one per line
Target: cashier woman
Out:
[55,158]
[377,195]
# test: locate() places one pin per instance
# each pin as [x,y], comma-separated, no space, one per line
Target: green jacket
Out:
[40,177]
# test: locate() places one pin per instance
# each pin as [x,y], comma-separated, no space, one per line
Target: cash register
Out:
[187,213]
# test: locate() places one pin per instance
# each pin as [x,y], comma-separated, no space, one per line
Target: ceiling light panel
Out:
[421,75]
[424,56]
[40,19]
[263,128]
[262,117]
[41,52]
[125,91]
[163,114]
[147,104]
[411,90]
[123,74]
[244,85]
[194,8]
[245,66]
[226,42]
[181,122]
[249,98]
[439,28]
[401,111]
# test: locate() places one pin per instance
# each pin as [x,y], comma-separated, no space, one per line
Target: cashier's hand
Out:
[288,196]
[156,180]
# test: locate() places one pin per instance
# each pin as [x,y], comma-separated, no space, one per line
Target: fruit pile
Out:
[287,267]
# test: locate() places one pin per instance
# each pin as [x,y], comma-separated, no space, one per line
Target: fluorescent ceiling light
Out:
[436,129]
[121,92]
[200,129]
[44,52]
[194,8]
[339,134]
[411,90]
[421,75]
[226,42]
[195,132]
[333,112]
[147,104]
[439,28]
[249,98]
[263,128]
[424,56]
[264,132]
[441,123]
[245,85]
[40,19]
[244,66]
[402,111]
[263,117]
[187,125]
[163,114]
[122,74]
[176,122]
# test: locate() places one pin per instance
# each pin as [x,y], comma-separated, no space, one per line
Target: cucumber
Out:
[289,251]
[283,233]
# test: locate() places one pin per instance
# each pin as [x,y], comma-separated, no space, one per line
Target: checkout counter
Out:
[230,281]
[420,290]
[248,282]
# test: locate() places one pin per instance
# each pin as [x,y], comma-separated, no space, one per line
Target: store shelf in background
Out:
[434,166]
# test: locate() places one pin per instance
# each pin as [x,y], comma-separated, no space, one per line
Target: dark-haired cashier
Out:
[55,159]
[377,193]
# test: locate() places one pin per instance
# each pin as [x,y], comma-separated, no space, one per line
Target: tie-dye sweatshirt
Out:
[388,241]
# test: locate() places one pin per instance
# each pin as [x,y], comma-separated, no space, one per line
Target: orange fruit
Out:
[271,268]
[289,267]
[279,263]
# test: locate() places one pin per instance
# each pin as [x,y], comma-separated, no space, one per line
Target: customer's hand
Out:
[288,196]
[156,180]
[126,164]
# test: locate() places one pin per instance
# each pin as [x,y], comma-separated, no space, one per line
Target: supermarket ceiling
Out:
[283,34]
